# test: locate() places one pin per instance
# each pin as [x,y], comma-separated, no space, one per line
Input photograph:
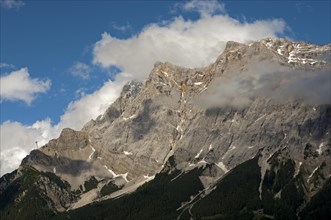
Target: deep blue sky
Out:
[48,37]
[308,20]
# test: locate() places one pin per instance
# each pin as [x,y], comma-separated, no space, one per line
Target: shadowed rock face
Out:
[192,117]
[142,124]
[62,164]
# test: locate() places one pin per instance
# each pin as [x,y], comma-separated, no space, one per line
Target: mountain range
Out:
[247,137]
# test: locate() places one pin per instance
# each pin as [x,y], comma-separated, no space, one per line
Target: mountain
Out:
[247,137]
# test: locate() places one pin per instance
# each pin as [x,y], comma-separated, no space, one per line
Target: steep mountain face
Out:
[243,130]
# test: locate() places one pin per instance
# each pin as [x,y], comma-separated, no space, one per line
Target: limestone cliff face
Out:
[172,116]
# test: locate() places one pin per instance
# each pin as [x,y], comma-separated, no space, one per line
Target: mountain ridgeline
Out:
[247,137]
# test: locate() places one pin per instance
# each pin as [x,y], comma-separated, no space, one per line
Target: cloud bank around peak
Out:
[266,79]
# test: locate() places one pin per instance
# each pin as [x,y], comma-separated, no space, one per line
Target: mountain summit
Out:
[245,137]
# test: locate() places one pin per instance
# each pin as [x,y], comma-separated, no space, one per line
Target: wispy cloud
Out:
[80,92]
[204,8]
[303,7]
[7,66]
[18,85]
[81,70]
[122,28]
[11,4]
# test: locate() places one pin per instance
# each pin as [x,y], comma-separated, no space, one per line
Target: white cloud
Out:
[17,140]
[18,85]
[90,106]
[81,70]
[9,4]
[183,42]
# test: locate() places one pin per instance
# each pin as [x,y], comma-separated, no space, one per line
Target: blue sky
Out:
[64,62]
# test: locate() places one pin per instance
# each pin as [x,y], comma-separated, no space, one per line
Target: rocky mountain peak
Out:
[297,53]
[232,45]
[131,89]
